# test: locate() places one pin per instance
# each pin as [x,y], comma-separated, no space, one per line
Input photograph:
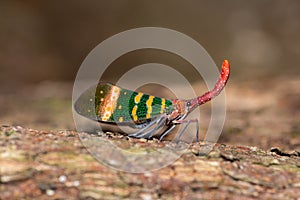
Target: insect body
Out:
[148,114]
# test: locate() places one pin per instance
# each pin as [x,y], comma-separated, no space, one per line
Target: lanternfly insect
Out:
[147,114]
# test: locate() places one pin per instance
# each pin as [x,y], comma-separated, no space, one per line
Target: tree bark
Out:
[56,164]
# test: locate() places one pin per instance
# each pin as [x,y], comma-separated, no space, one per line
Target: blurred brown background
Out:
[48,40]
[43,44]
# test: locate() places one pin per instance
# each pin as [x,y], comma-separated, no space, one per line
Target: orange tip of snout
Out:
[226,64]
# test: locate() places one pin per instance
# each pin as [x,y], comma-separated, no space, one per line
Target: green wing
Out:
[110,103]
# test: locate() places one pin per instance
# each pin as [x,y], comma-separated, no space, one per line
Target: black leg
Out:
[150,133]
[170,128]
[184,129]
[144,128]
[142,134]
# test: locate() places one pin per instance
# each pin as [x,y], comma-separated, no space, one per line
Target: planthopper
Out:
[146,114]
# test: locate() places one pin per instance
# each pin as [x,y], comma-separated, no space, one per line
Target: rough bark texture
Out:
[37,164]
[259,157]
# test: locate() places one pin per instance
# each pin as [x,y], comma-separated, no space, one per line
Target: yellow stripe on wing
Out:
[134,113]
[138,97]
[163,105]
[149,106]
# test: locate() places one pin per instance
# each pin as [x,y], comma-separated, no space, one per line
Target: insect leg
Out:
[150,133]
[170,128]
[144,128]
[187,124]
[141,134]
